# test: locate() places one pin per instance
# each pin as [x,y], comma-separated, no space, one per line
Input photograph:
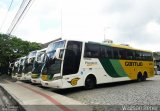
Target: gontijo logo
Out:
[74,81]
[133,63]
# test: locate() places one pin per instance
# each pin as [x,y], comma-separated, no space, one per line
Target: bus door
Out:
[71,63]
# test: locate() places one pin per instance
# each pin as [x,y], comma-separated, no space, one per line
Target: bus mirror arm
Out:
[59,53]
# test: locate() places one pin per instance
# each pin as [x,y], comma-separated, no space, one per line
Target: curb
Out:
[17,105]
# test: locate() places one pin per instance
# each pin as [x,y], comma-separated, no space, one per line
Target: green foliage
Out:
[12,47]
[156,55]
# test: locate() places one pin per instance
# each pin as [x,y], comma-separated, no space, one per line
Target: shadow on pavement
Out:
[106,85]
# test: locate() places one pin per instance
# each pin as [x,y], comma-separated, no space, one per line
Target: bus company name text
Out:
[133,64]
[91,63]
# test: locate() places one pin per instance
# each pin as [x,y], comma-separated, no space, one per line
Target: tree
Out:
[12,47]
[156,55]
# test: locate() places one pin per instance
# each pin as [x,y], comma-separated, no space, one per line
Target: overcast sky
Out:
[134,22]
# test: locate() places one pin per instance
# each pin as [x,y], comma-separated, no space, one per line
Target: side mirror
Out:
[59,53]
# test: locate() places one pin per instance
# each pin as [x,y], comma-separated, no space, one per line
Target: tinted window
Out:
[54,68]
[92,50]
[72,58]
[53,46]
[137,55]
[109,52]
[104,51]
[122,53]
[115,53]
[143,55]
[130,54]
[147,56]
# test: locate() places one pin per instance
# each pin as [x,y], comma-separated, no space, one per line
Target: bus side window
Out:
[147,56]
[109,52]
[115,53]
[104,52]
[138,55]
[130,54]
[150,57]
[92,50]
[142,57]
[122,53]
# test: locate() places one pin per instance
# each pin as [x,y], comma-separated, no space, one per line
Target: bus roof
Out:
[119,46]
[112,45]
[42,50]
[127,47]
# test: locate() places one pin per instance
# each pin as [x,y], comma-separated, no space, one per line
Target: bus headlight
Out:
[58,77]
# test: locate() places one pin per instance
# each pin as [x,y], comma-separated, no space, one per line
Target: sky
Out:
[133,22]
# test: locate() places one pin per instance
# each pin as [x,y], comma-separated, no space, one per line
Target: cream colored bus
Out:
[72,63]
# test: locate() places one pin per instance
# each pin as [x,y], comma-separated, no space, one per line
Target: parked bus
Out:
[75,63]
[20,74]
[37,66]
[28,66]
[15,69]
[11,65]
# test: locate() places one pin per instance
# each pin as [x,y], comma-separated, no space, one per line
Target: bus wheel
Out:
[145,76]
[90,82]
[139,77]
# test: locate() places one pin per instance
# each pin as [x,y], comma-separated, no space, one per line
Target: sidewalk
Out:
[33,98]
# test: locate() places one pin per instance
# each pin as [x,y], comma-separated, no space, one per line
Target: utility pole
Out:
[61,24]
[104,33]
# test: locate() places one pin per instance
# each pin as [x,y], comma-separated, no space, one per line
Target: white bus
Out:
[37,66]
[28,66]
[20,74]
[15,69]
[74,63]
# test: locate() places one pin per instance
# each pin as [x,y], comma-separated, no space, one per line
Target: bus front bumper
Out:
[14,77]
[27,76]
[36,81]
[52,84]
[20,78]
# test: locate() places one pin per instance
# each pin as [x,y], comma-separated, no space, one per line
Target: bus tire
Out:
[145,75]
[139,77]
[90,82]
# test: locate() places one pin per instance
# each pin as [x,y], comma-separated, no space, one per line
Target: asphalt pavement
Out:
[120,93]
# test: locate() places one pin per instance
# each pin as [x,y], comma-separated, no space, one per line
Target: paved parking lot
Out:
[121,93]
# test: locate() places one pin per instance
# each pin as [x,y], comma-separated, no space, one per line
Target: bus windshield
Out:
[39,56]
[22,61]
[52,65]
[21,65]
[32,54]
[38,64]
[55,45]
[29,62]
[51,49]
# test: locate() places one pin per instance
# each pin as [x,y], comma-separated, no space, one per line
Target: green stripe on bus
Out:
[108,67]
[118,67]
